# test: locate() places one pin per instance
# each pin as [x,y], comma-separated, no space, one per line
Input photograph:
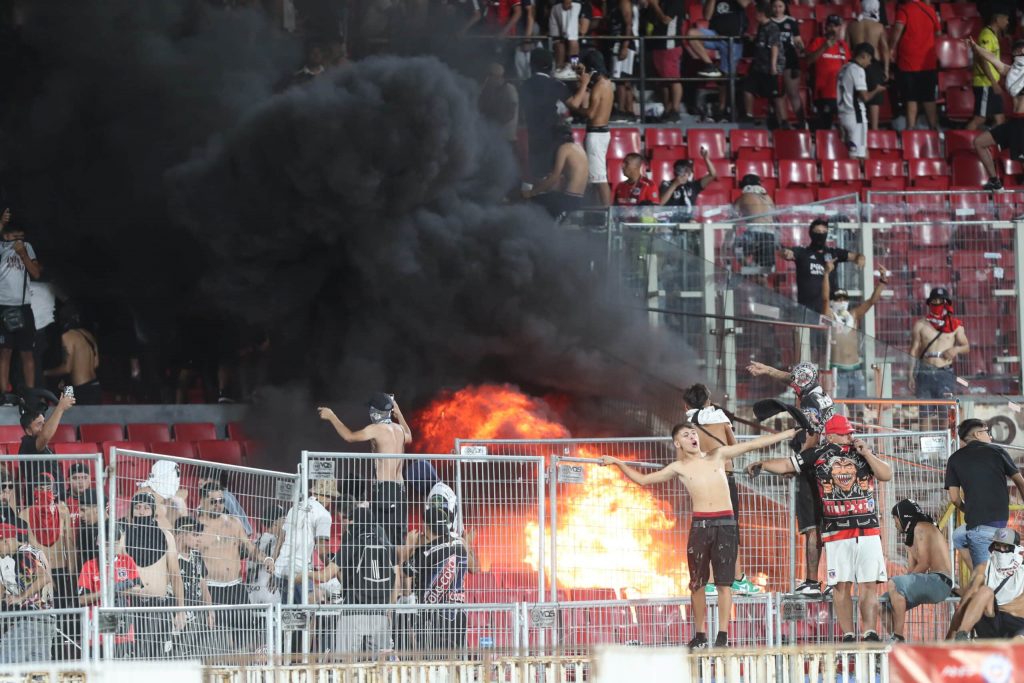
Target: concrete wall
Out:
[218,413]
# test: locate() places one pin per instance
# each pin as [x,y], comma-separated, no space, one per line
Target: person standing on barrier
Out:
[223,544]
[937,340]
[845,471]
[929,578]
[993,604]
[714,537]
[387,493]
[975,481]
[156,557]
[845,356]
[716,430]
[818,408]
[26,586]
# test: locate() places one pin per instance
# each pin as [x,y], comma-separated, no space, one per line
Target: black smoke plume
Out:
[360,218]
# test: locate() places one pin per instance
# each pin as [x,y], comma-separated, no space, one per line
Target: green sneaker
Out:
[711,589]
[744,586]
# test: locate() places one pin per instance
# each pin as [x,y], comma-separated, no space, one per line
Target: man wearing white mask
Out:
[845,356]
[993,605]
[1009,136]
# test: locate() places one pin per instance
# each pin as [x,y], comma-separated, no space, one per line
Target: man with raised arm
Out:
[387,493]
[844,471]
[1009,135]
[714,537]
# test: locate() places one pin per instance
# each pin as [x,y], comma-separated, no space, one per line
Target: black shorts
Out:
[987,102]
[734,497]
[874,76]
[558,203]
[712,548]
[807,515]
[1010,137]
[762,85]
[918,86]
[759,247]
[1001,625]
[25,338]
[235,619]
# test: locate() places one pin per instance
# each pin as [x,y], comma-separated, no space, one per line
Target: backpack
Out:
[371,574]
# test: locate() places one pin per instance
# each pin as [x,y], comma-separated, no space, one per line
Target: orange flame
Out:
[611,533]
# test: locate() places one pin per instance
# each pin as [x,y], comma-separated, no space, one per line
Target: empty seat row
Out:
[149,432]
[223,451]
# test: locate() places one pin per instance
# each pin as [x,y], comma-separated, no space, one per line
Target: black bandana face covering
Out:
[380,417]
[909,513]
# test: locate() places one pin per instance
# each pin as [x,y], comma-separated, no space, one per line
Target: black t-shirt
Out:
[769,35]
[846,490]
[193,571]
[980,470]
[685,195]
[29,471]
[810,273]
[729,18]
[439,571]
[788,29]
[674,9]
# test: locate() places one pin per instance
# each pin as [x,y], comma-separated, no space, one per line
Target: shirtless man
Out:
[1009,136]
[716,430]
[936,341]
[759,239]
[594,98]
[388,490]
[561,190]
[156,556]
[993,604]
[222,544]
[868,29]
[845,355]
[714,538]
[79,360]
[929,578]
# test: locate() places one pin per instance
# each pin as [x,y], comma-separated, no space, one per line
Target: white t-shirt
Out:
[12,274]
[44,303]
[451,502]
[302,526]
[708,416]
[850,81]
[1006,567]
[259,590]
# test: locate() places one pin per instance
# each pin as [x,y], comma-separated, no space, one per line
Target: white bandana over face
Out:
[1006,567]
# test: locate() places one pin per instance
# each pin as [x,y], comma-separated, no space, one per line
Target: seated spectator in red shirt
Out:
[638,189]
[913,39]
[828,54]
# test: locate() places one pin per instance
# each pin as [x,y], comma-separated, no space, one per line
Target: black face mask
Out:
[818,240]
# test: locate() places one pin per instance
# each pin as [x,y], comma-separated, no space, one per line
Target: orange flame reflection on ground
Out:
[611,533]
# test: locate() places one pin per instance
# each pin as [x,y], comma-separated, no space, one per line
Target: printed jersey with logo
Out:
[846,490]
[193,571]
[126,574]
[1004,576]
[817,407]
[729,18]
[826,69]
[18,571]
[981,78]
[439,571]
[643,191]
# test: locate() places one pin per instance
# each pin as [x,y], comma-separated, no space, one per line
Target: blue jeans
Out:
[976,540]
[850,384]
[728,59]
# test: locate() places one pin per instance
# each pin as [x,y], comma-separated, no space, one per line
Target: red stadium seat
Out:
[960,142]
[794,196]
[663,137]
[624,141]
[76,448]
[150,432]
[743,140]
[175,449]
[1012,170]
[793,144]
[251,449]
[11,433]
[801,12]
[799,172]
[968,172]
[845,172]
[224,452]
[669,154]
[950,79]
[824,9]
[921,144]
[661,170]
[885,174]
[759,167]
[963,27]
[970,207]
[883,144]
[711,138]
[959,103]
[126,445]
[723,169]
[952,53]
[101,432]
[954,10]
[236,431]
[65,434]
[930,174]
[933,234]
[579,135]
[615,172]
[830,145]
[65,467]
[808,31]
[195,431]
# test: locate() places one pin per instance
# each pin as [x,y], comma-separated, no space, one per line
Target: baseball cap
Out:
[381,401]
[1005,535]
[750,179]
[840,294]
[833,20]
[78,468]
[939,293]
[838,424]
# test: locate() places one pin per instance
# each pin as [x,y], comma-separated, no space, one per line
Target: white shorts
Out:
[622,67]
[856,135]
[563,23]
[596,145]
[855,560]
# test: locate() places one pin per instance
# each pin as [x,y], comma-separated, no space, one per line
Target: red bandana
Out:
[43,515]
[941,318]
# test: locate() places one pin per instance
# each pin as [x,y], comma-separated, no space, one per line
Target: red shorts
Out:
[666,62]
